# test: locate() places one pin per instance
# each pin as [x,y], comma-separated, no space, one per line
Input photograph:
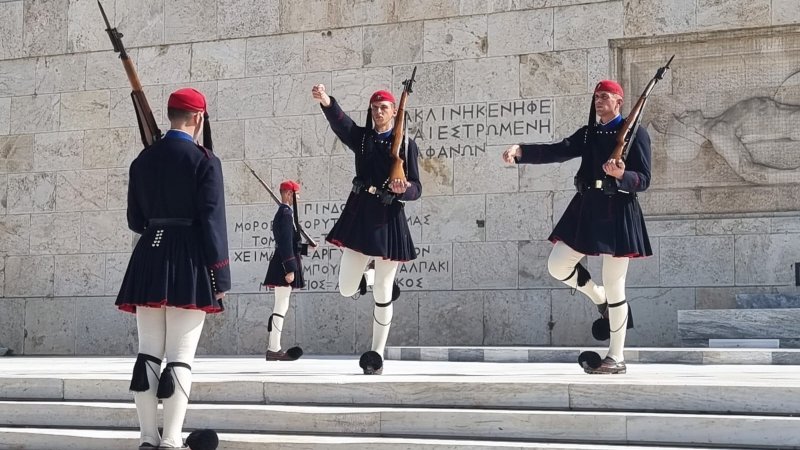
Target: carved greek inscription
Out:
[465,130]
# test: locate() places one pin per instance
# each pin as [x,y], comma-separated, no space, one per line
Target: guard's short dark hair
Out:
[179,114]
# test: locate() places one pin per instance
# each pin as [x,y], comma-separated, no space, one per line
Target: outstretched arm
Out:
[342,125]
[571,147]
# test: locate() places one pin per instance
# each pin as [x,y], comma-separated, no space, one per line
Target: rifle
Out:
[278,201]
[148,127]
[627,133]
[397,172]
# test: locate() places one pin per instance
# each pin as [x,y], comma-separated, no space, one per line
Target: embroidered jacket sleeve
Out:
[283,229]
[342,125]
[210,205]
[636,177]
[569,148]
[414,191]
[136,219]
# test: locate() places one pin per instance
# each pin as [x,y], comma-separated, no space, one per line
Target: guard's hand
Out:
[289,277]
[219,295]
[614,168]
[512,152]
[319,94]
[399,186]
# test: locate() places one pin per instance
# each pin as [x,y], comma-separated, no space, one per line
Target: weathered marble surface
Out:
[35,114]
[380,48]
[333,49]
[189,21]
[766,301]
[457,38]
[15,232]
[32,192]
[697,260]
[61,73]
[218,60]
[50,326]
[242,18]
[766,258]
[45,27]
[741,323]
[55,234]
[11,31]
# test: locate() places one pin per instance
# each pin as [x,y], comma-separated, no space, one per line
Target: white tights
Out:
[351,270]
[172,333]
[282,294]
[562,263]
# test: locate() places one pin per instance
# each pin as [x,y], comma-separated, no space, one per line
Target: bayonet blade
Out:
[103,12]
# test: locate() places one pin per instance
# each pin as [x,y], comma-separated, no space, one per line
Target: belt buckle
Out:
[598,184]
[372,189]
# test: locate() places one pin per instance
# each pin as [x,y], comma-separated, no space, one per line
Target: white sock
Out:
[175,407]
[618,319]
[614,273]
[147,407]
[381,323]
[385,271]
[282,294]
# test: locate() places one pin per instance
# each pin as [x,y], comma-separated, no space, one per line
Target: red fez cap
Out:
[382,96]
[609,86]
[187,99]
[290,185]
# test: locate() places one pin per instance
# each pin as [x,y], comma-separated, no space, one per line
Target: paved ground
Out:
[326,369]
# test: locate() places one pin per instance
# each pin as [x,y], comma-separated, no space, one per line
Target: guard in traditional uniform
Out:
[604,218]
[179,270]
[285,270]
[373,224]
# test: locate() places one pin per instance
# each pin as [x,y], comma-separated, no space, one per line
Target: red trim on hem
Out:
[629,255]
[131,307]
[281,285]
[339,243]
[220,264]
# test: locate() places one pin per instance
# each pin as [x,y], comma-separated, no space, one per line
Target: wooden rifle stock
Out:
[627,133]
[397,172]
[148,128]
[278,201]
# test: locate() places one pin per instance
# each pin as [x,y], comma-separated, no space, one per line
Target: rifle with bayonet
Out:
[278,201]
[627,133]
[148,127]
[397,172]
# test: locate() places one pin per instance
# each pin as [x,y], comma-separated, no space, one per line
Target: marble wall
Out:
[489,73]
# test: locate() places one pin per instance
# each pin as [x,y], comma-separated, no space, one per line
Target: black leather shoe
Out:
[607,367]
[292,354]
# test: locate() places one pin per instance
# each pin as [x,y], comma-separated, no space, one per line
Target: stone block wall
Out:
[490,73]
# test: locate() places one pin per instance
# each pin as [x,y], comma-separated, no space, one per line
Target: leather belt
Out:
[170,222]
[386,196]
[607,185]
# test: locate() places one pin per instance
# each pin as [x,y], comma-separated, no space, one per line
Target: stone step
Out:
[708,393]
[570,355]
[439,423]
[745,389]
[779,323]
[767,301]
[93,439]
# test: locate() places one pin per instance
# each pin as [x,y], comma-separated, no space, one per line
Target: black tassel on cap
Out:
[207,142]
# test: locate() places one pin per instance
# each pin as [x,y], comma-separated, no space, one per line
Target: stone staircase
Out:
[760,320]
[320,403]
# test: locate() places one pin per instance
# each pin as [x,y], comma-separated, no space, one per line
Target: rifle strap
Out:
[295,213]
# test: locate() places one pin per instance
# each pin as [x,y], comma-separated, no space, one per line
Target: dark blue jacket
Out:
[175,178]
